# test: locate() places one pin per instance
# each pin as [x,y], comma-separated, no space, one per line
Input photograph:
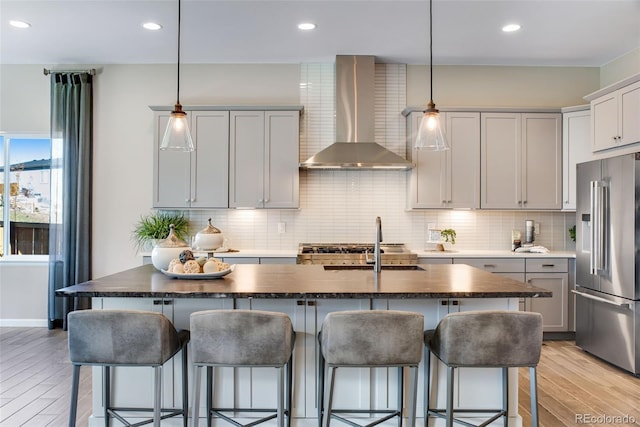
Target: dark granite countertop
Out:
[310,281]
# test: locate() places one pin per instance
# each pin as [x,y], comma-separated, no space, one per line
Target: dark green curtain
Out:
[70,223]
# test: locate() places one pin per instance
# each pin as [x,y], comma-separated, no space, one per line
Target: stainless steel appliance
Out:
[608,260]
[354,254]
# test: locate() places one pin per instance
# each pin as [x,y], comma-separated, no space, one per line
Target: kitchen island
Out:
[306,293]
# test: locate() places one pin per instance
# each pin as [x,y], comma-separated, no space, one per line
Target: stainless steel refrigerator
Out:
[608,260]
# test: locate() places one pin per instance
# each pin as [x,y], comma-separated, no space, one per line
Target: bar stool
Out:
[113,338]
[484,339]
[374,339]
[242,338]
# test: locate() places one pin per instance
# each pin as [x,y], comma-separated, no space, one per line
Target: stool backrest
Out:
[375,337]
[241,337]
[121,337]
[488,338]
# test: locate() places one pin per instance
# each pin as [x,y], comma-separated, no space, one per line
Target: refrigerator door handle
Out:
[596,258]
[595,298]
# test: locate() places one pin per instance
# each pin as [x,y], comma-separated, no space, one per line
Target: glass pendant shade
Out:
[177,136]
[431,134]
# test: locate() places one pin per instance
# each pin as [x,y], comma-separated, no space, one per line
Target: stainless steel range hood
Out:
[355,127]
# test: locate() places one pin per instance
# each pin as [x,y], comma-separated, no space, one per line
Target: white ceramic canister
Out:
[166,250]
[209,238]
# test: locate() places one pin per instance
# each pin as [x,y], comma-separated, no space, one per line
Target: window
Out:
[25,194]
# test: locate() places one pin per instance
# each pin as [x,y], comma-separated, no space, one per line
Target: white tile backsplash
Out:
[341,206]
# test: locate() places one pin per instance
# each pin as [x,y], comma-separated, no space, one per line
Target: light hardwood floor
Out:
[35,377]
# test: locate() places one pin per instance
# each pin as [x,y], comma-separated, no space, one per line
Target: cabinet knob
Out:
[524,202]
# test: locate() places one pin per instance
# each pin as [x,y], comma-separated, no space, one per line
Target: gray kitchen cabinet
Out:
[446,179]
[576,148]
[551,274]
[198,179]
[263,159]
[614,117]
[521,161]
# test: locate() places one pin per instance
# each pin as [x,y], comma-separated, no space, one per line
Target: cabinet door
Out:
[210,167]
[604,122]
[428,175]
[554,310]
[575,149]
[171,170]
[541,161]
[281,181]
[629,109]
[246,159]
[500,169]
[462,186]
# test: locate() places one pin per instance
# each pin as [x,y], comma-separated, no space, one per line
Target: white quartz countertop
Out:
[292,253]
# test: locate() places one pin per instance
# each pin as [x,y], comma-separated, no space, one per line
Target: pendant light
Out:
[430,133]
[177,137]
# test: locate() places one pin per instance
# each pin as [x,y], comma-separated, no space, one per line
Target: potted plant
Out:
[449,235]
[155,226]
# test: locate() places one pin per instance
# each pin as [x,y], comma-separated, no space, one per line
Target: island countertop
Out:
[310,281]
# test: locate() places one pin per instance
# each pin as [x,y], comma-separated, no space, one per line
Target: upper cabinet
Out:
[244,157]
[576,148]
[615,115]
[263,159]
[198,179]
[521,161]
[446,179]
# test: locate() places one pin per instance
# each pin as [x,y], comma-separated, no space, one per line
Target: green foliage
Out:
[572,233]
[156,226]
[449,235]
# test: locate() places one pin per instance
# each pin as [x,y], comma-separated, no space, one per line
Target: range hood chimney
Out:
[355,127]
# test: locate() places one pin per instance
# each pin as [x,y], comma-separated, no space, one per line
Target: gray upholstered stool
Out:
[484,339]
[111,338]
[374,339]
[242,338]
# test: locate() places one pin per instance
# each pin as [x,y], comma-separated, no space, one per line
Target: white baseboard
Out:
[24,323]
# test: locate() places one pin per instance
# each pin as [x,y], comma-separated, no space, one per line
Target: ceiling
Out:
[554,32]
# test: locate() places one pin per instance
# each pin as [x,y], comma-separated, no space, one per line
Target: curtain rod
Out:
[91,71]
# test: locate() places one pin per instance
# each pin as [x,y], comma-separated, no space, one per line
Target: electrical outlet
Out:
[536,228]
[282,227]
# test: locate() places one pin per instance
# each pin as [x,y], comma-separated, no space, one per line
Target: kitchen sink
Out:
[370,267]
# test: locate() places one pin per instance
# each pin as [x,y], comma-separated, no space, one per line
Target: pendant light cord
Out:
[178,85]
[431,49]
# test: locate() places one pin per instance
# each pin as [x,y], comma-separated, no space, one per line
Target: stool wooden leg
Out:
[157,401]
[413,391]
[450,374]
[534,396]
[106,392]
[195,408]
[75,383]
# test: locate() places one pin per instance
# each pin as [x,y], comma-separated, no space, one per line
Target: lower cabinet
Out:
[547,273]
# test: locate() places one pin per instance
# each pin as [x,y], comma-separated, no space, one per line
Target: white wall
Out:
[620,68]
[23,293]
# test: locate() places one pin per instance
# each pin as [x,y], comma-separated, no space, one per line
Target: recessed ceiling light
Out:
[151,26]
[306,26]
[19,24]
[511,28]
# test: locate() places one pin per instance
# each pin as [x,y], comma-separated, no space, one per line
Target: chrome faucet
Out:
[377,253]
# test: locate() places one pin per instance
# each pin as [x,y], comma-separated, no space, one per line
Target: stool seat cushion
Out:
[487,339]
[375,337]
[241,337]
[122,337]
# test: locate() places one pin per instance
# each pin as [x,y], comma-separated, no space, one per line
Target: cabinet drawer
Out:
[547,265]
[502,265]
